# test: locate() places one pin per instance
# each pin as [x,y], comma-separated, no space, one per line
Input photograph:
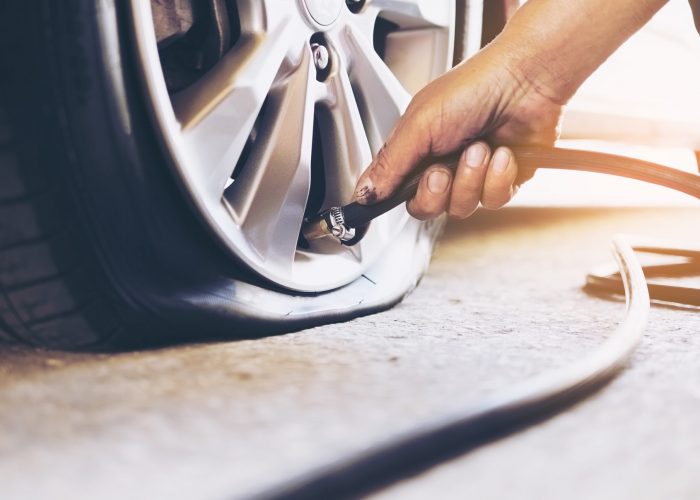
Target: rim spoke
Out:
[346,148]
[381,97]
[270,195]
[217,113]
[241,137]
[417,13]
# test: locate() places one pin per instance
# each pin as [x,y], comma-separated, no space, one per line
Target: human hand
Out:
[486,102]
[511,93]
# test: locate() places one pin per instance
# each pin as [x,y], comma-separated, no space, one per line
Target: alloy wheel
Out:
[283,120]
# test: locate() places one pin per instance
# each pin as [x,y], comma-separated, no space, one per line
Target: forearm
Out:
[554,45]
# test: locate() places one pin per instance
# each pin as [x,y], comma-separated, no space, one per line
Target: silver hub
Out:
[324,12]
[259,143]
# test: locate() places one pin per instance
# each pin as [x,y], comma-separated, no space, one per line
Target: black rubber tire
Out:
[60,163]
[48,293]
[49,286]
[99,249]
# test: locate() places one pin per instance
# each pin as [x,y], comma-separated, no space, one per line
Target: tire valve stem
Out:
[331,223]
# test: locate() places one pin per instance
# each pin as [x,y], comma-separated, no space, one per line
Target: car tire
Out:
[99,247]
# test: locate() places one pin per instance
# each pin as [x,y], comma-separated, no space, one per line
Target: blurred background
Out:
[643,102]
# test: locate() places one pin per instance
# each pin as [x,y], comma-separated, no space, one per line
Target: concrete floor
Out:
[502,301]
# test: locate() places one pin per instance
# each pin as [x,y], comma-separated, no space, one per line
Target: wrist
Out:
[554,46]
[526,85]
[537,72]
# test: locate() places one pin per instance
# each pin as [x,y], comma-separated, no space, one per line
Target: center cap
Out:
[324,12]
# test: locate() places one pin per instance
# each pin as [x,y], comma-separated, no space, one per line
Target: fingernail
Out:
[438,180]
[476,154]
[501,159]
[366,192]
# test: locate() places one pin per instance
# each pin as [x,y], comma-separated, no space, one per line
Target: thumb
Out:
[408,144]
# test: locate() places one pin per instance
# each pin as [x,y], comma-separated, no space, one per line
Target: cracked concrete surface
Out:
[501,301]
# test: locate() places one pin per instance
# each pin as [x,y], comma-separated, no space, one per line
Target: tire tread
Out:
[48,291]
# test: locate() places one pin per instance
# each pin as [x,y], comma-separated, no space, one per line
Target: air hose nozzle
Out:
[348,224]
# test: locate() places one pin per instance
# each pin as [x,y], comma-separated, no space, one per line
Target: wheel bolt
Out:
[322,57]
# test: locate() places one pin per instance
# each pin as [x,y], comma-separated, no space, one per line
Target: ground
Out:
[502,301]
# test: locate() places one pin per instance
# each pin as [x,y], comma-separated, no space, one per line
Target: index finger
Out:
[406,146]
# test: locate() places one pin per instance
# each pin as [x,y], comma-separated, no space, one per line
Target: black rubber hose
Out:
[517,406]
[531,158]
[507,411]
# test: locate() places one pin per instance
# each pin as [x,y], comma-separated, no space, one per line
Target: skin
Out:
[511,93]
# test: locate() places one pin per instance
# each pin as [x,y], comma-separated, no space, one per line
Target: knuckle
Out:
[421,111]
[467,190]
[490,205]
[472,188]
[416,211]
[461,209]
[414,106]
[495,201]
[382,162]
[457,214]
[425,209]
[420,101]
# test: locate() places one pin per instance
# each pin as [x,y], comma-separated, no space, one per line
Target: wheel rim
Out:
[262,138]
